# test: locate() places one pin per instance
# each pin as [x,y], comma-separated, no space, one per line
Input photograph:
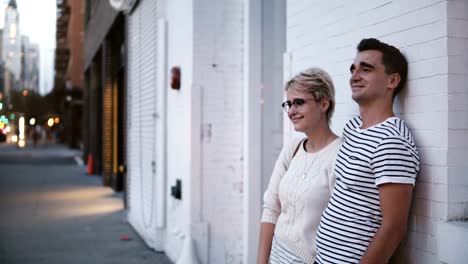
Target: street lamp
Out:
[21,137]
[50,122]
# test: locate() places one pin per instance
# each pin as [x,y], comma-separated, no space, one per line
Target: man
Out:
[366,217]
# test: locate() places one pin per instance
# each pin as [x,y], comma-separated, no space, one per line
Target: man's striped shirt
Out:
[384,153]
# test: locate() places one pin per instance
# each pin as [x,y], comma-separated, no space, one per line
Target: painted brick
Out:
[458,120]
[431,191]
[439,174]
[458,83]
[421,207]
[439,210]
[401,20]
[422,257]
[426,120]
[433,156]
[218,63]
[457,175]
[418,240]
[425,104]
[457,156]
[457,10]
[457,28]
[426,225]
[458,193]
[439,192]
[457,46]
[431,138]
[428,68]
[433,104]
[458,103]
[428,50]
[422,190]
[434,85]
[417,35]
[458,64]
[433,243]
[457,211]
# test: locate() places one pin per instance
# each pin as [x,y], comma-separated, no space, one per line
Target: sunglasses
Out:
[298,103]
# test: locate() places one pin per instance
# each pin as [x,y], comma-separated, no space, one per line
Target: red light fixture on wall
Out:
[175,78]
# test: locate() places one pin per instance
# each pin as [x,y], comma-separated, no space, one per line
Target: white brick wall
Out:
[218,53]
[433,36]
[205,39]
[179,53]
[457,109]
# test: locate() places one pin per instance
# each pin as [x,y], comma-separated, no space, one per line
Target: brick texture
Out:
[432,35]
[218,70]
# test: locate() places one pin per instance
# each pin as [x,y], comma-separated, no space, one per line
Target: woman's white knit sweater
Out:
[298,192]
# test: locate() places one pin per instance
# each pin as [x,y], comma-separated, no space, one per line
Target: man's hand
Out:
[395,202]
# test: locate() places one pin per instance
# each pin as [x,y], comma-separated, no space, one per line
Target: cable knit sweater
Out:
[298,192]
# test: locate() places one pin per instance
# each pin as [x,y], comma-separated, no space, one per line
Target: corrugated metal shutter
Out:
[142,84]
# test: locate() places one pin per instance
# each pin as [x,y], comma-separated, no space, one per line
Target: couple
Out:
[360,216]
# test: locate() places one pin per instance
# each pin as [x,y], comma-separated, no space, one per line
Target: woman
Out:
[303,177]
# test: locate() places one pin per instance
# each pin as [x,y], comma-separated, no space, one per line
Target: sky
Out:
[38,22]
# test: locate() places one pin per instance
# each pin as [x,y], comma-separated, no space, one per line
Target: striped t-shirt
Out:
[384,153]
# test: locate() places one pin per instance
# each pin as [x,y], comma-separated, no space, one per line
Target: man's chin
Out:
[356,98]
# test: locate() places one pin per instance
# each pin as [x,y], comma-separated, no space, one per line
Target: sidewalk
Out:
[52,212]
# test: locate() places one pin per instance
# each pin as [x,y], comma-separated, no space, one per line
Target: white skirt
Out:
[280,254]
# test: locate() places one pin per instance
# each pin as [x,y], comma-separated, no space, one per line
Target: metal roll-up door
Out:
[142,95]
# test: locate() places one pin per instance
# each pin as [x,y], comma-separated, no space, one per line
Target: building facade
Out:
[200,152]
[29,65]
[432,35]
[69,75]
[104,131]
[204,84]
[73,109]
[11,48]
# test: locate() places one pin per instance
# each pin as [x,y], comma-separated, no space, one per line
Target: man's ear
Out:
[393,80]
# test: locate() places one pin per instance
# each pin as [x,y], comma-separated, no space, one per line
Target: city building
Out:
[104,126]
[204,123]
[11,48]
[189,94]
[11,42]
[2,69]
[68,82]
[29,65]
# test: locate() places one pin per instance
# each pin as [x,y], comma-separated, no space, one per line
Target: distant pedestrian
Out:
[36,134]
[303,177]
[376,168]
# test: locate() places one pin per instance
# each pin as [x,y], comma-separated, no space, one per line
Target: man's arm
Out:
[395,202]
[266,237]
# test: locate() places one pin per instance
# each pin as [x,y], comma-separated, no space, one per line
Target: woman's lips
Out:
[295,119]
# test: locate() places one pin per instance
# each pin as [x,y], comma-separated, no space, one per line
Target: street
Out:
[52,212]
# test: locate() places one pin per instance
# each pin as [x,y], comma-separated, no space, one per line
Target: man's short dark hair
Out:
[392,59]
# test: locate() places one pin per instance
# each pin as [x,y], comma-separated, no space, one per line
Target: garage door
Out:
[143,118]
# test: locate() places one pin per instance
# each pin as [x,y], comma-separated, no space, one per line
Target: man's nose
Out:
[355,76]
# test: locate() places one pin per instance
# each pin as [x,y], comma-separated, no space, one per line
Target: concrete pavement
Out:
[52,212]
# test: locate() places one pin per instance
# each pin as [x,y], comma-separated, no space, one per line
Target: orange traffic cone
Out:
[90,164]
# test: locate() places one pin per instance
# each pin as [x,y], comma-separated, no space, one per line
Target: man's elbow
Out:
[396,227]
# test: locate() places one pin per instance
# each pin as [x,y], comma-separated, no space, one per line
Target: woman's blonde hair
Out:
[318,83]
